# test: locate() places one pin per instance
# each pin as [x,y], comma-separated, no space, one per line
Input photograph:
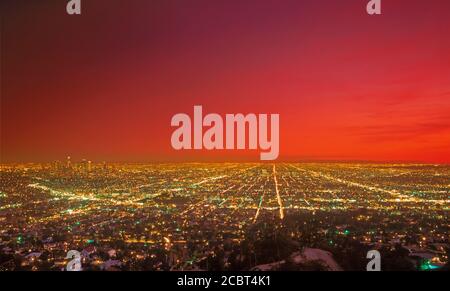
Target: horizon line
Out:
[237,162]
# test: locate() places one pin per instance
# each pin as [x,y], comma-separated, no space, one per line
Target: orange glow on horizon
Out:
[347,86]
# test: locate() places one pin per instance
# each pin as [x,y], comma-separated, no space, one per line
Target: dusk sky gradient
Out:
[105,85]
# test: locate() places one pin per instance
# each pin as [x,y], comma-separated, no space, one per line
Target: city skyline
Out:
[224,216]
[245,160]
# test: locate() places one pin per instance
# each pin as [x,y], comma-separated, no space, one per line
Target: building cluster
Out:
[220,216]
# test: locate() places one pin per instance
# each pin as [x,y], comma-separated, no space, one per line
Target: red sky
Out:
[104,85]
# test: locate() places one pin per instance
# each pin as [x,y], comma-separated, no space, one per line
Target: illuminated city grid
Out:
[179,216]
